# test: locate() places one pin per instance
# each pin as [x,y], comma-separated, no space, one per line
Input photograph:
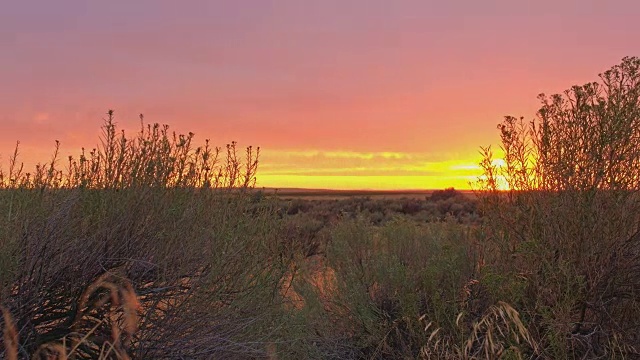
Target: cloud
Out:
[41,118]
[350,163]
[365,182]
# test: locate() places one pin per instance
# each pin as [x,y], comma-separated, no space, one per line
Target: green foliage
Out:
[379,211]
[565,227]
[392,280]
[155,213]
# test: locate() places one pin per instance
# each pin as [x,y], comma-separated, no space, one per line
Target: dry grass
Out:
[122,307]
[9,335]
[499,333]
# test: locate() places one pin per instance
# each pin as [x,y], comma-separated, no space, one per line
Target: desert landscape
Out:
[152,247]
[384,215]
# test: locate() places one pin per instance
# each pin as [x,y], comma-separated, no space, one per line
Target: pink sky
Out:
[326,88]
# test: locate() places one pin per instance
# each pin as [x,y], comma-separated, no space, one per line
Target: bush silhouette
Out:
[565,225]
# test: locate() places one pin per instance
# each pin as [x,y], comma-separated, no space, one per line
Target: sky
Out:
[342,94]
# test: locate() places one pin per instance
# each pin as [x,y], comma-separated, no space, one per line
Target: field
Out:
[151,247]
[265,285]
[320,194]
[186,273]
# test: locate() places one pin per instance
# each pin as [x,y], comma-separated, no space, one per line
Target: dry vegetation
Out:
[151,247]
[564,241]
[151,216]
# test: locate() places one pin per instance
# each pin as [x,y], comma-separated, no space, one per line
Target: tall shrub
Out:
[566,229]
[148,246]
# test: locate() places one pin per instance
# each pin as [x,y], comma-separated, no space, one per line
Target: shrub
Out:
[565,227]
[445,194]
[152,216]
[411,206]
[390,282]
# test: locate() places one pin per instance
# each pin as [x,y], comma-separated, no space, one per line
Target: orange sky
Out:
[339,94]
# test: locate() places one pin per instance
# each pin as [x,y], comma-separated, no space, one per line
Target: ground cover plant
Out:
[437,206]
[152,247]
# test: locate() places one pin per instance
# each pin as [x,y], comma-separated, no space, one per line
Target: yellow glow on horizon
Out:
[351,170]
[365,182]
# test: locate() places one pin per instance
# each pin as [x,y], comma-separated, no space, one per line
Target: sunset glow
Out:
[360,170]
[362,94]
